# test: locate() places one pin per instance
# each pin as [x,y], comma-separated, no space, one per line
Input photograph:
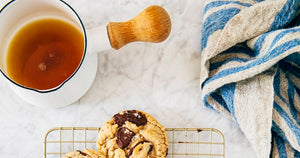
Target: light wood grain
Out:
[151,25]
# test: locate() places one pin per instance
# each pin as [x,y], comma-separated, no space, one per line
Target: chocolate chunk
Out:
[132,116]
[151,148]
[131,149]
[81,153]
[167,152]
[124,136]
[129,152]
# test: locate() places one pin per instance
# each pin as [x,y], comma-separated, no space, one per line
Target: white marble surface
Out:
[161,79]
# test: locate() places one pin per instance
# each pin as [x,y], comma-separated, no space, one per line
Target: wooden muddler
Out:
[151,25]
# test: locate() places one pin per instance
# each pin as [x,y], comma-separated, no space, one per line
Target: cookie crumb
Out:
[42,66]
[51,55]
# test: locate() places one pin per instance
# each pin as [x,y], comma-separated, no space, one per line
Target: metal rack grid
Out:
[183,142]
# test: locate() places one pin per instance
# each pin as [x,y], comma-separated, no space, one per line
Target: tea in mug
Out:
[44,53]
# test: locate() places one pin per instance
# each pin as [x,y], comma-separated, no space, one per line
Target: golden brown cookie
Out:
[87,153]
[133,134]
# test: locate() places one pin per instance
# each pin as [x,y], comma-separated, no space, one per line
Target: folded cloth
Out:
[250,70]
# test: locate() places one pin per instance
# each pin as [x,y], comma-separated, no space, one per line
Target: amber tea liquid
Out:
[44,53]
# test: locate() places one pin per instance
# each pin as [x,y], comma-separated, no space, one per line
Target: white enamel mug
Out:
[151,25]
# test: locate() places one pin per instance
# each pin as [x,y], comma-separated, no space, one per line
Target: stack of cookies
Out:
[129,134]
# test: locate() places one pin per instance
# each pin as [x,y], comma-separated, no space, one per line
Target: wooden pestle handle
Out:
[151,25]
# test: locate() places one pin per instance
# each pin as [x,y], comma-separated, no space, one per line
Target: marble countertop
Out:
[161,79]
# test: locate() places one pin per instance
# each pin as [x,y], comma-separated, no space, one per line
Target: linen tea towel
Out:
[250,70]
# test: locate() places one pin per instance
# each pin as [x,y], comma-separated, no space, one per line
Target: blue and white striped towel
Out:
[250,70]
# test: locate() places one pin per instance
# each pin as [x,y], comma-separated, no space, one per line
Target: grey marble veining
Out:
[161,79]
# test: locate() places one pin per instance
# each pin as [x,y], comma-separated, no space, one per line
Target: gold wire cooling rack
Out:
[183,142]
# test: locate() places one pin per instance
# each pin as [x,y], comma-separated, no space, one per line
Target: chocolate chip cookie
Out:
[133,134]
[87,153]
